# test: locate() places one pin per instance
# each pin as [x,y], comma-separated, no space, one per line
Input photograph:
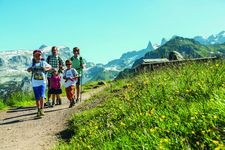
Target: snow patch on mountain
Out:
[212,39]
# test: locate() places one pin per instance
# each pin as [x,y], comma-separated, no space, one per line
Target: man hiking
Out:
[57,64]
[78,64]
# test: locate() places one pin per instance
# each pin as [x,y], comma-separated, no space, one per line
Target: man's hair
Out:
[53,47]
[76,49]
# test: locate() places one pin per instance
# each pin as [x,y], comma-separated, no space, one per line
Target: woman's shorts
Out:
[55,91]
[39,92]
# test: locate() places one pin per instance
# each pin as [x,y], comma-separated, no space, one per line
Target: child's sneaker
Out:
[41,112]
[38,113]
[59,101]
[72,103]
[53,103]
[49,103]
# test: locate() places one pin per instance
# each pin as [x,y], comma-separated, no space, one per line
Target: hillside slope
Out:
[188,48]
[174,108]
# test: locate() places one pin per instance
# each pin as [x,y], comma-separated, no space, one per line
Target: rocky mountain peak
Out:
[222,33]
[149,46]
[43,46]
[212,39]
[163,41]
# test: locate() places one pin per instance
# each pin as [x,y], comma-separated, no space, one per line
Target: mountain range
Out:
[13,64]
[212,39]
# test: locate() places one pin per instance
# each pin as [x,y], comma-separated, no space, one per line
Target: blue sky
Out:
[105,29]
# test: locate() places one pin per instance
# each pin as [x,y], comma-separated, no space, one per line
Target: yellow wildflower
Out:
[152,130]
[215,116]
[215,142]
[163,117]
[166,140]
[122,124]
[153,110]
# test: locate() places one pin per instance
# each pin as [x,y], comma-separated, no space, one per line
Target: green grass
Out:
[20,99]
[91,85]
[3,106]
[175,108]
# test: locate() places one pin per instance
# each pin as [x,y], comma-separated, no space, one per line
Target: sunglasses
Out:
[68,64]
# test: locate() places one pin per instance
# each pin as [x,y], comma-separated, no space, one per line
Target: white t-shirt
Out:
[70,73]
[38,76]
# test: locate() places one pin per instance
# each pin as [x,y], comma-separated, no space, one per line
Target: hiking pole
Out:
[81,78]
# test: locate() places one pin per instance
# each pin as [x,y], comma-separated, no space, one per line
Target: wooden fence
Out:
[151,66]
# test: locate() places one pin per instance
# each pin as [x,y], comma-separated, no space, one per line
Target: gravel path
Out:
[21,130]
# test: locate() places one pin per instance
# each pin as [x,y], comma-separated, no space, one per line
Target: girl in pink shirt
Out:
[55,88]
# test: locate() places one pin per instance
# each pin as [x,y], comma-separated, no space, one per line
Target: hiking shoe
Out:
[48,103]
[52,104]
[72,103]
[38,113]
[41,112]
[77,100]
[59,102]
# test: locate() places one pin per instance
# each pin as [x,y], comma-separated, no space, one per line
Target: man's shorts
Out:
[39,92]
[78,81]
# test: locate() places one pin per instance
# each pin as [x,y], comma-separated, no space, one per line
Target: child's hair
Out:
[68,61]
[54,70]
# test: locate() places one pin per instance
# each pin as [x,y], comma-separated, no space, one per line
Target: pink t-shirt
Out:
[55,82]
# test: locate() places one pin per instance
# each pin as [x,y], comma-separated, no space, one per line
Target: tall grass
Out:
[20,99]
[2,105]
[174,108]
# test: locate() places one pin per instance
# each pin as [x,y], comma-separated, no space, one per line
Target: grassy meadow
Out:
[19,99]
[172,108]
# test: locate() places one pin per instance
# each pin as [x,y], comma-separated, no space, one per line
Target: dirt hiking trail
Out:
[21,130]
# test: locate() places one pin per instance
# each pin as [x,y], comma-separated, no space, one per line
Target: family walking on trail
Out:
[51,69]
